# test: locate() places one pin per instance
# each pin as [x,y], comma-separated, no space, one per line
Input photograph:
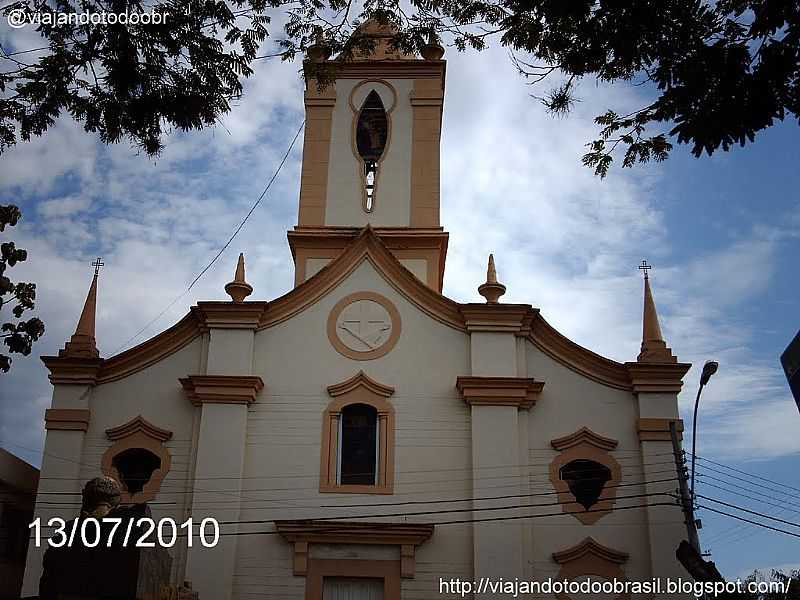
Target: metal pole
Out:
[686,500]
[694,433]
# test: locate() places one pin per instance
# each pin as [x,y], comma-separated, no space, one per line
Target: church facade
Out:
[364,436]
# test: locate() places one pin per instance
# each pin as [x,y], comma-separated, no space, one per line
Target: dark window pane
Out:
[372,132]
[135,467]
[585,479]
[359,440]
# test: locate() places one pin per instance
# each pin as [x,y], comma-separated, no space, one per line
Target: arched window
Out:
[357,449]
[585,474]
[135,467]
[372,133]
[138,459]
[586,479]
[358,445]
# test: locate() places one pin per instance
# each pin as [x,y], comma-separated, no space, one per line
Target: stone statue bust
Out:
[100,496]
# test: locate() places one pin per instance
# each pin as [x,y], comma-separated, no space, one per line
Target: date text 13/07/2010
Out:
[143,532]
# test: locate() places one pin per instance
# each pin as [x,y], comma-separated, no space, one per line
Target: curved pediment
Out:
[584,436]
[521,319]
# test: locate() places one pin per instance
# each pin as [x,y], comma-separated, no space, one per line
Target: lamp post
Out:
[709,369]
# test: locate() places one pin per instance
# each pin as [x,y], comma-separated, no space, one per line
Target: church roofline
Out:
[521,319]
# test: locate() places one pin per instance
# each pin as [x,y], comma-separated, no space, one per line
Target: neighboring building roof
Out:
[18,474]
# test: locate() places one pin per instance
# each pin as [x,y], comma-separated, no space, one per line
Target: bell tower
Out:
[371,157]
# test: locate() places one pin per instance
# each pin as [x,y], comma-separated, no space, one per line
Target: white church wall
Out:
[156,395]
[568,402]
[282,469]
[393,191]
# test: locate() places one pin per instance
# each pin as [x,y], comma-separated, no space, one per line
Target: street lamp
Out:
[709,369]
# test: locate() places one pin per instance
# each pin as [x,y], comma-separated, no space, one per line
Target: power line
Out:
[225,246]
[377,504]
[764,525]
[452,522]
[719,464]
[752,512]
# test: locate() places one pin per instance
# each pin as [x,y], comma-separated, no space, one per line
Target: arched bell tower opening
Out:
[371,157]
[372,135]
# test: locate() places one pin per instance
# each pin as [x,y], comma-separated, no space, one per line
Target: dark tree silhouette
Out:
[17,335]
[715,73]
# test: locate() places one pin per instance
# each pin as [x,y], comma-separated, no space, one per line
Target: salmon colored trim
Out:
[359,389]
[657,430]
[67,419]
[367,245]
[429,244]
[584,435]
[319,105]
[585,445]
[138,433]
[574,356]
[71,370]
[360,379]
[222,389]
[590,558]
[406,535]
[388,69]
[385,348]
[657,377]
[427,99]
[135,425]
[521,392]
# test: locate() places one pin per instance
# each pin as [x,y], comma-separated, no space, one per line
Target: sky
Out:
[723,235]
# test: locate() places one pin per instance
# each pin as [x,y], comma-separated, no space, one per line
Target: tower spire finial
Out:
[492,289]
[82,344]
[654,348]
[239,289]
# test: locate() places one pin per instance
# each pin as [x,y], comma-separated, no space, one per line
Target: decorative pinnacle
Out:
[82,344]
[239,289]
[654,348]
[492,289]
[432,50]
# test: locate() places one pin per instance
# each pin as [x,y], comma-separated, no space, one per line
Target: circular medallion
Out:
[364,326]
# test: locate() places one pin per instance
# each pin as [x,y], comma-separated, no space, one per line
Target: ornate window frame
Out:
[585,444]
[589,557]
[359,389]
[370,85]
[138,433]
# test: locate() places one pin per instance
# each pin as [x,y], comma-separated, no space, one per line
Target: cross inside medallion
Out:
[364,322]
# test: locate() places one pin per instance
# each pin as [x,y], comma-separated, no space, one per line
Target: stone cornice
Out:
[499,391]
[656,377]
[505,318]
[72,370]
[231,315]
[657,430]
[222,389]
[67,419]
[354,532]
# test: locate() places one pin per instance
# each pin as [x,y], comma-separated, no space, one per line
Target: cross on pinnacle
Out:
[645,267]
[97,264]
